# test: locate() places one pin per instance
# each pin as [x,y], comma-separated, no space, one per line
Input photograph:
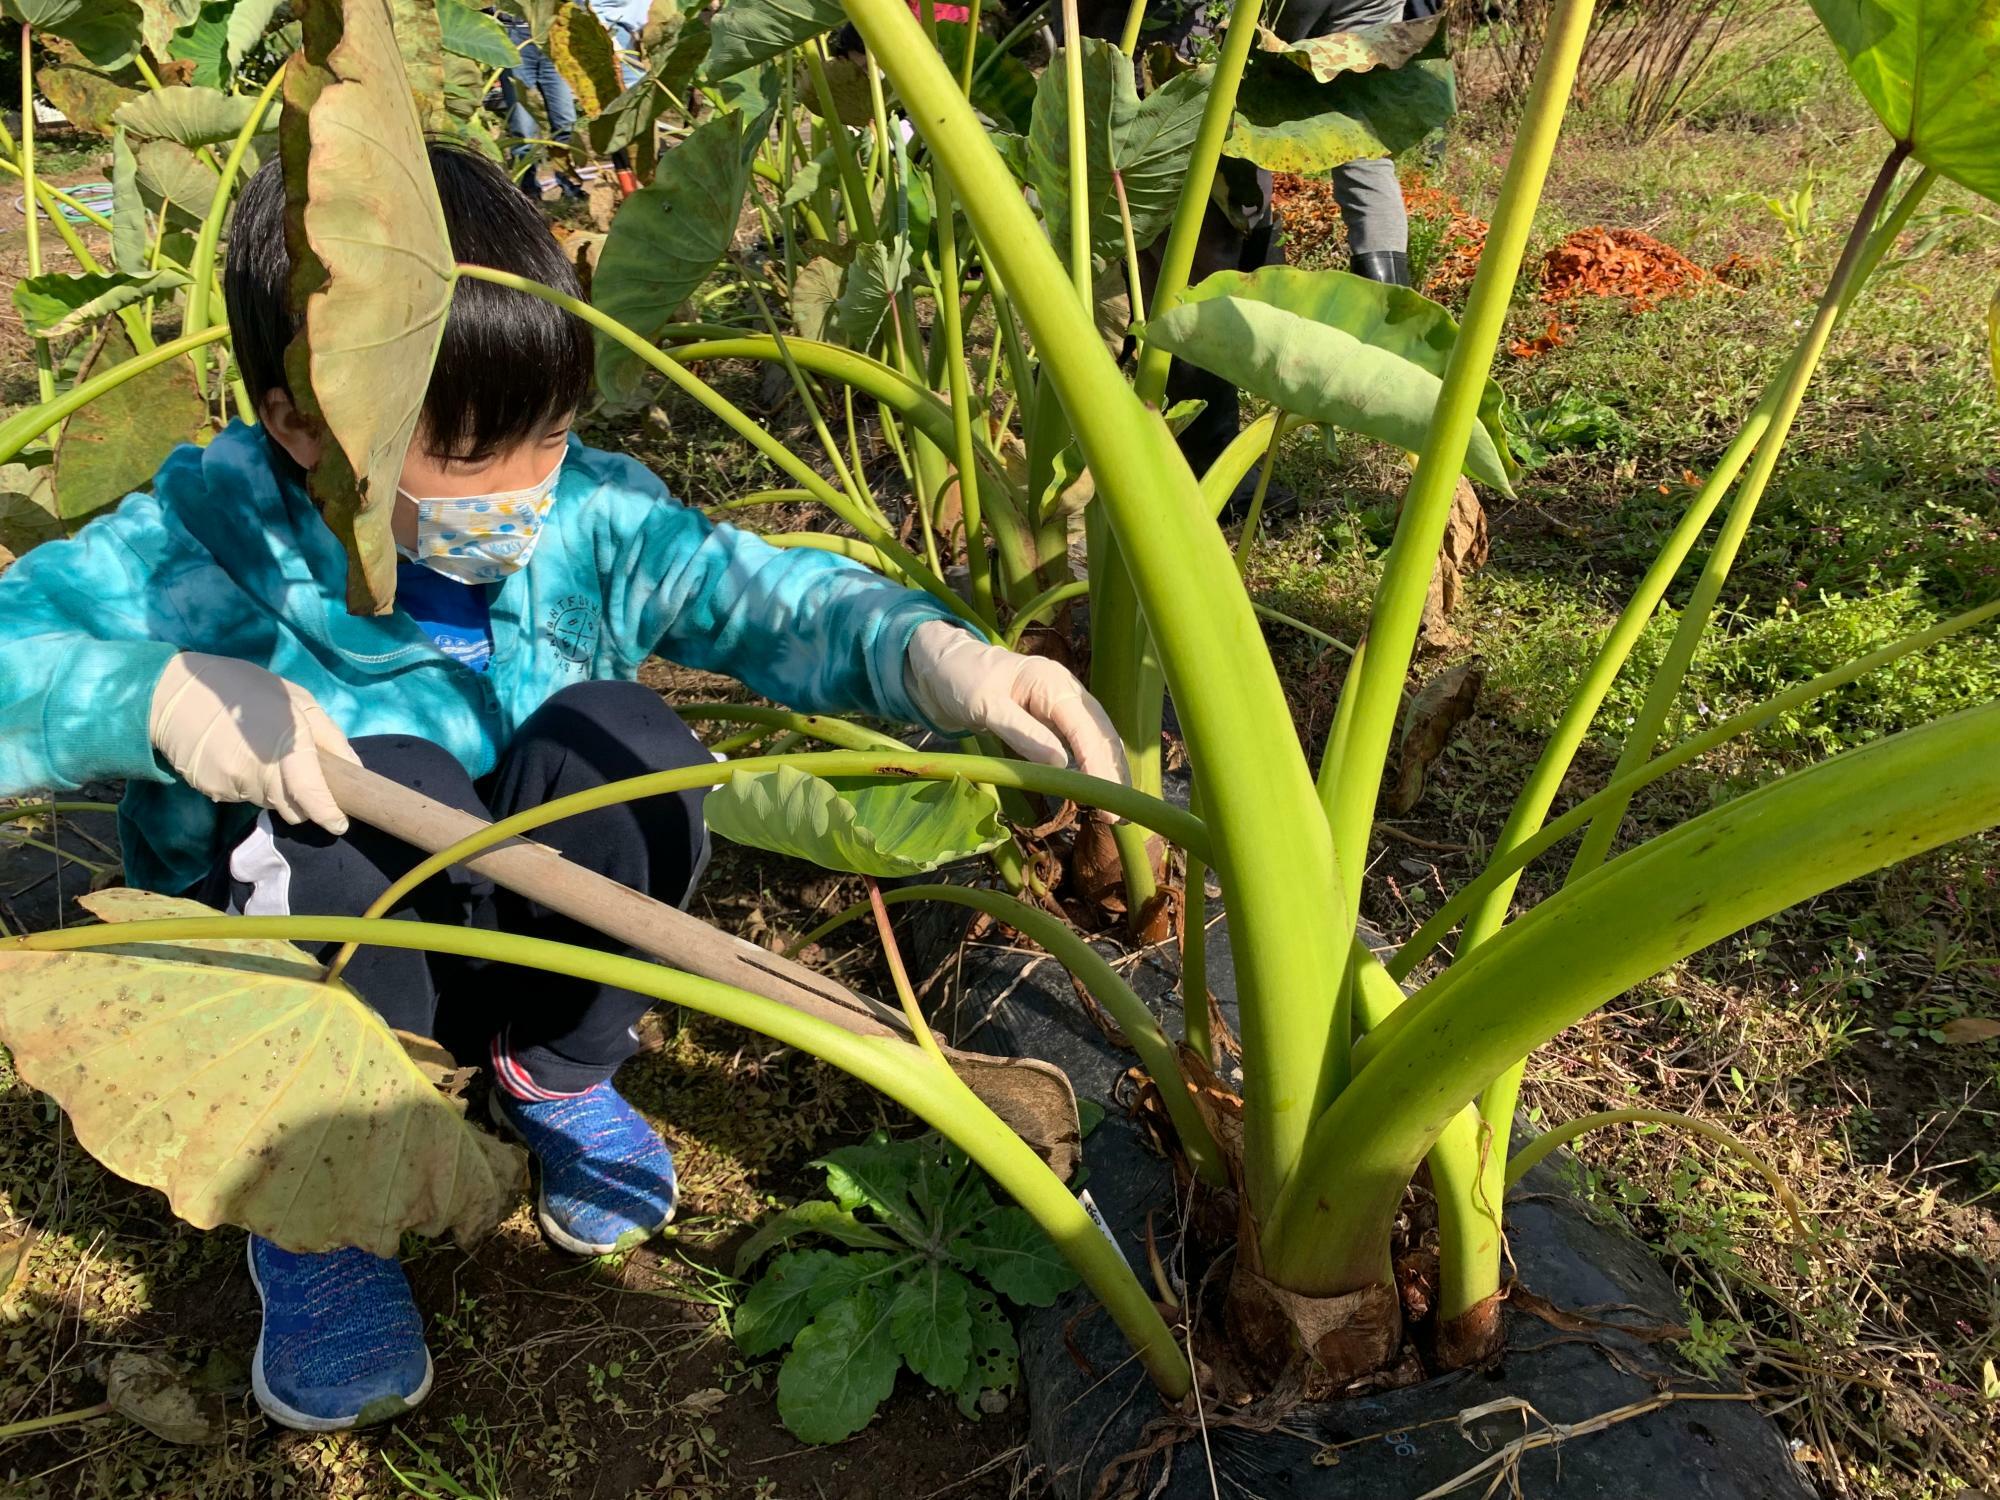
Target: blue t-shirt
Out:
[457,616]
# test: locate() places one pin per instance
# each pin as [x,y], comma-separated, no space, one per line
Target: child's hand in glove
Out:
[237,733]
[1036,707]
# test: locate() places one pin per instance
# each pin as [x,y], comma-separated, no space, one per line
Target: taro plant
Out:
[1350,1084]
[927,1255]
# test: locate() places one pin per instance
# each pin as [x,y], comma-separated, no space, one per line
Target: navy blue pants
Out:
[543,1034]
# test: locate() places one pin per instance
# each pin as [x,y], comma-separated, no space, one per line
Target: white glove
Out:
[1033,704]
[237,733]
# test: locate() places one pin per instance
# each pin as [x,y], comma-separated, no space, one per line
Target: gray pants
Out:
[1370,200]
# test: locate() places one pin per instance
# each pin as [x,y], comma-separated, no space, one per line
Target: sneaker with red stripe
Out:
[606,1177]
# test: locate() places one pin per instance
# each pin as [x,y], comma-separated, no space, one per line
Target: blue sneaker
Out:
[342,1343]
[607,1179]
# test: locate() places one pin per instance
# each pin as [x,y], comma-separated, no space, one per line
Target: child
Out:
[196,644]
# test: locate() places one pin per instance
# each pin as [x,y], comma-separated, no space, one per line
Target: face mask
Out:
[482,538]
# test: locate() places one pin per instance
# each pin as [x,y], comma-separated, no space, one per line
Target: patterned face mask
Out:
[482,538]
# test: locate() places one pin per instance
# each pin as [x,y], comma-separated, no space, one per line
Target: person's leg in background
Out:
[538,71]
[1370,199]
[607,1179]
[342,1343]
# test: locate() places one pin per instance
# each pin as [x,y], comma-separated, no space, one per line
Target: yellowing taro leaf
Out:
[1388,44]
[230,1077]
[585,55]
[1930,69]
[372,270]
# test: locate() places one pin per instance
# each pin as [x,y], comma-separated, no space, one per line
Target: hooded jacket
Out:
[227,555]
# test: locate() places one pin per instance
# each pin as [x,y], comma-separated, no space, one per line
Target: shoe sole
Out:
[298,1421]
[556,1235]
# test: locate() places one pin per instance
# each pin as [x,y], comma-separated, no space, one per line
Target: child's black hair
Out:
[509,366]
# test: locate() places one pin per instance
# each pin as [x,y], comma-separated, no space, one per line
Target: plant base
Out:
[1098,1430]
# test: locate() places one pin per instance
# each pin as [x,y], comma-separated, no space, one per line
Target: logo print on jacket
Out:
[573,627]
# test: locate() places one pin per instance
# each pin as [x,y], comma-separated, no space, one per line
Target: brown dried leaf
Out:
[1441,705]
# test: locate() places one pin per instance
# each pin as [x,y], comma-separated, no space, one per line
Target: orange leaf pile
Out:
[1599,262]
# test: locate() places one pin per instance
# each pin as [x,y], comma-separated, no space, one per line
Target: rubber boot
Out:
[1392,266]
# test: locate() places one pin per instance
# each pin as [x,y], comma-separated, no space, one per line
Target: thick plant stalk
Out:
[1512,860]
[1269,842]
[1079,160]
[904,1072]
[1125,672]
[1055,781]
[1672,671]
[909,400]
[960,378]
[1625,921]
[1376,684]
[201,265]
[45,376]
[1863,251]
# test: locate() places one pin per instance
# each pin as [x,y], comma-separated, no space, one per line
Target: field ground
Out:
[1822,1038]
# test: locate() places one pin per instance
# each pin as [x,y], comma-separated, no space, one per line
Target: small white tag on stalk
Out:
[1103,1228]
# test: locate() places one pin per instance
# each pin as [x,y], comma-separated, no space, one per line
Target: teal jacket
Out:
[227,555]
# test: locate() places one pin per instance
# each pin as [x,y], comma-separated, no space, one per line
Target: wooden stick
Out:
[1032,1096]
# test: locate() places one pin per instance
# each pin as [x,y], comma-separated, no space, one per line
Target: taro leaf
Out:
[112,446]
[667,237]
[887,826]
[156,1394]
[877,273]
[86,97]
[587,58]
[191,116]
[420,44]
[228,1075]
[930,1322]
[815,291]
[841,1369]
[755,91]
[1316,371]
[847,82]
[171,174]
[1011,1254]
[1006,95]
[814,1216]
[877,1174]
[160,19]
[1387,44]
[1391,318]
[247,20]
[631,116]
[746,32]
[371,266]
[62,302]
[1288,123]
[468,32]
[1146,142]
[996,1357]
[781,1303]
[27,508]
[807,180]
[206,44]
[131,240]
[1930,69]
[106,32]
